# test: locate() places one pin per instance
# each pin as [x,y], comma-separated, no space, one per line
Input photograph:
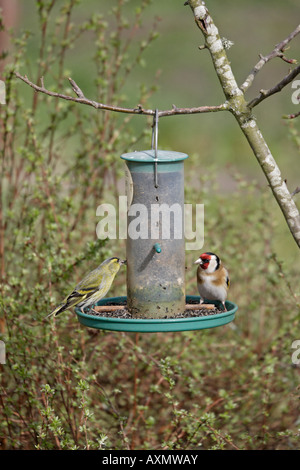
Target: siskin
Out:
[93,287]
[212,278]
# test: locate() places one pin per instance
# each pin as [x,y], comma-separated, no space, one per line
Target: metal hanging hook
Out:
[154,145]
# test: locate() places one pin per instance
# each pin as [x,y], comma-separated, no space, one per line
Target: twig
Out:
[109,308]
[135,392]
[200,306]
[116,412]
[243,113]
[76,88]
[277,52]
[297,190]
[275,89]
[137,110]
[282,274]
[218,434]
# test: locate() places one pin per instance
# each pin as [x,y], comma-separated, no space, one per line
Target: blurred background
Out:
[65,386]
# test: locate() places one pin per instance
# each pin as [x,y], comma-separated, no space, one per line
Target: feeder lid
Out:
[148,156]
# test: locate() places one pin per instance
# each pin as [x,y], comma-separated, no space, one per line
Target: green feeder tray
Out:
[142,325]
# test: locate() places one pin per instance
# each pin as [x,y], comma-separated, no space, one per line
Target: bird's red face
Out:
[203,260]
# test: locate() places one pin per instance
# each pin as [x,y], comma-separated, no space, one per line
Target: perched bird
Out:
[92,288]
[212,278]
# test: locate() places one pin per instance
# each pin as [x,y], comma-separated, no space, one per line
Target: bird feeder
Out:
[155,259]
[155,248]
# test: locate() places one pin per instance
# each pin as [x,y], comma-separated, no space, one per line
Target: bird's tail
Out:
[60,308]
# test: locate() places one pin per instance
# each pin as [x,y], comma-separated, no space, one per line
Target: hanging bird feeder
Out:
[156,267]
[155,250]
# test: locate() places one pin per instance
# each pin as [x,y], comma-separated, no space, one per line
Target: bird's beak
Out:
[124,261]
[198,261]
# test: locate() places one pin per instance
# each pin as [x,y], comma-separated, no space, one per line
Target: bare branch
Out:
[277,52]
[201,109]
[275,89]
[76,88]
[81,99]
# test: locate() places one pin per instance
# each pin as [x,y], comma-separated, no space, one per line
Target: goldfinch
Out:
[92,288]
[212,278]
